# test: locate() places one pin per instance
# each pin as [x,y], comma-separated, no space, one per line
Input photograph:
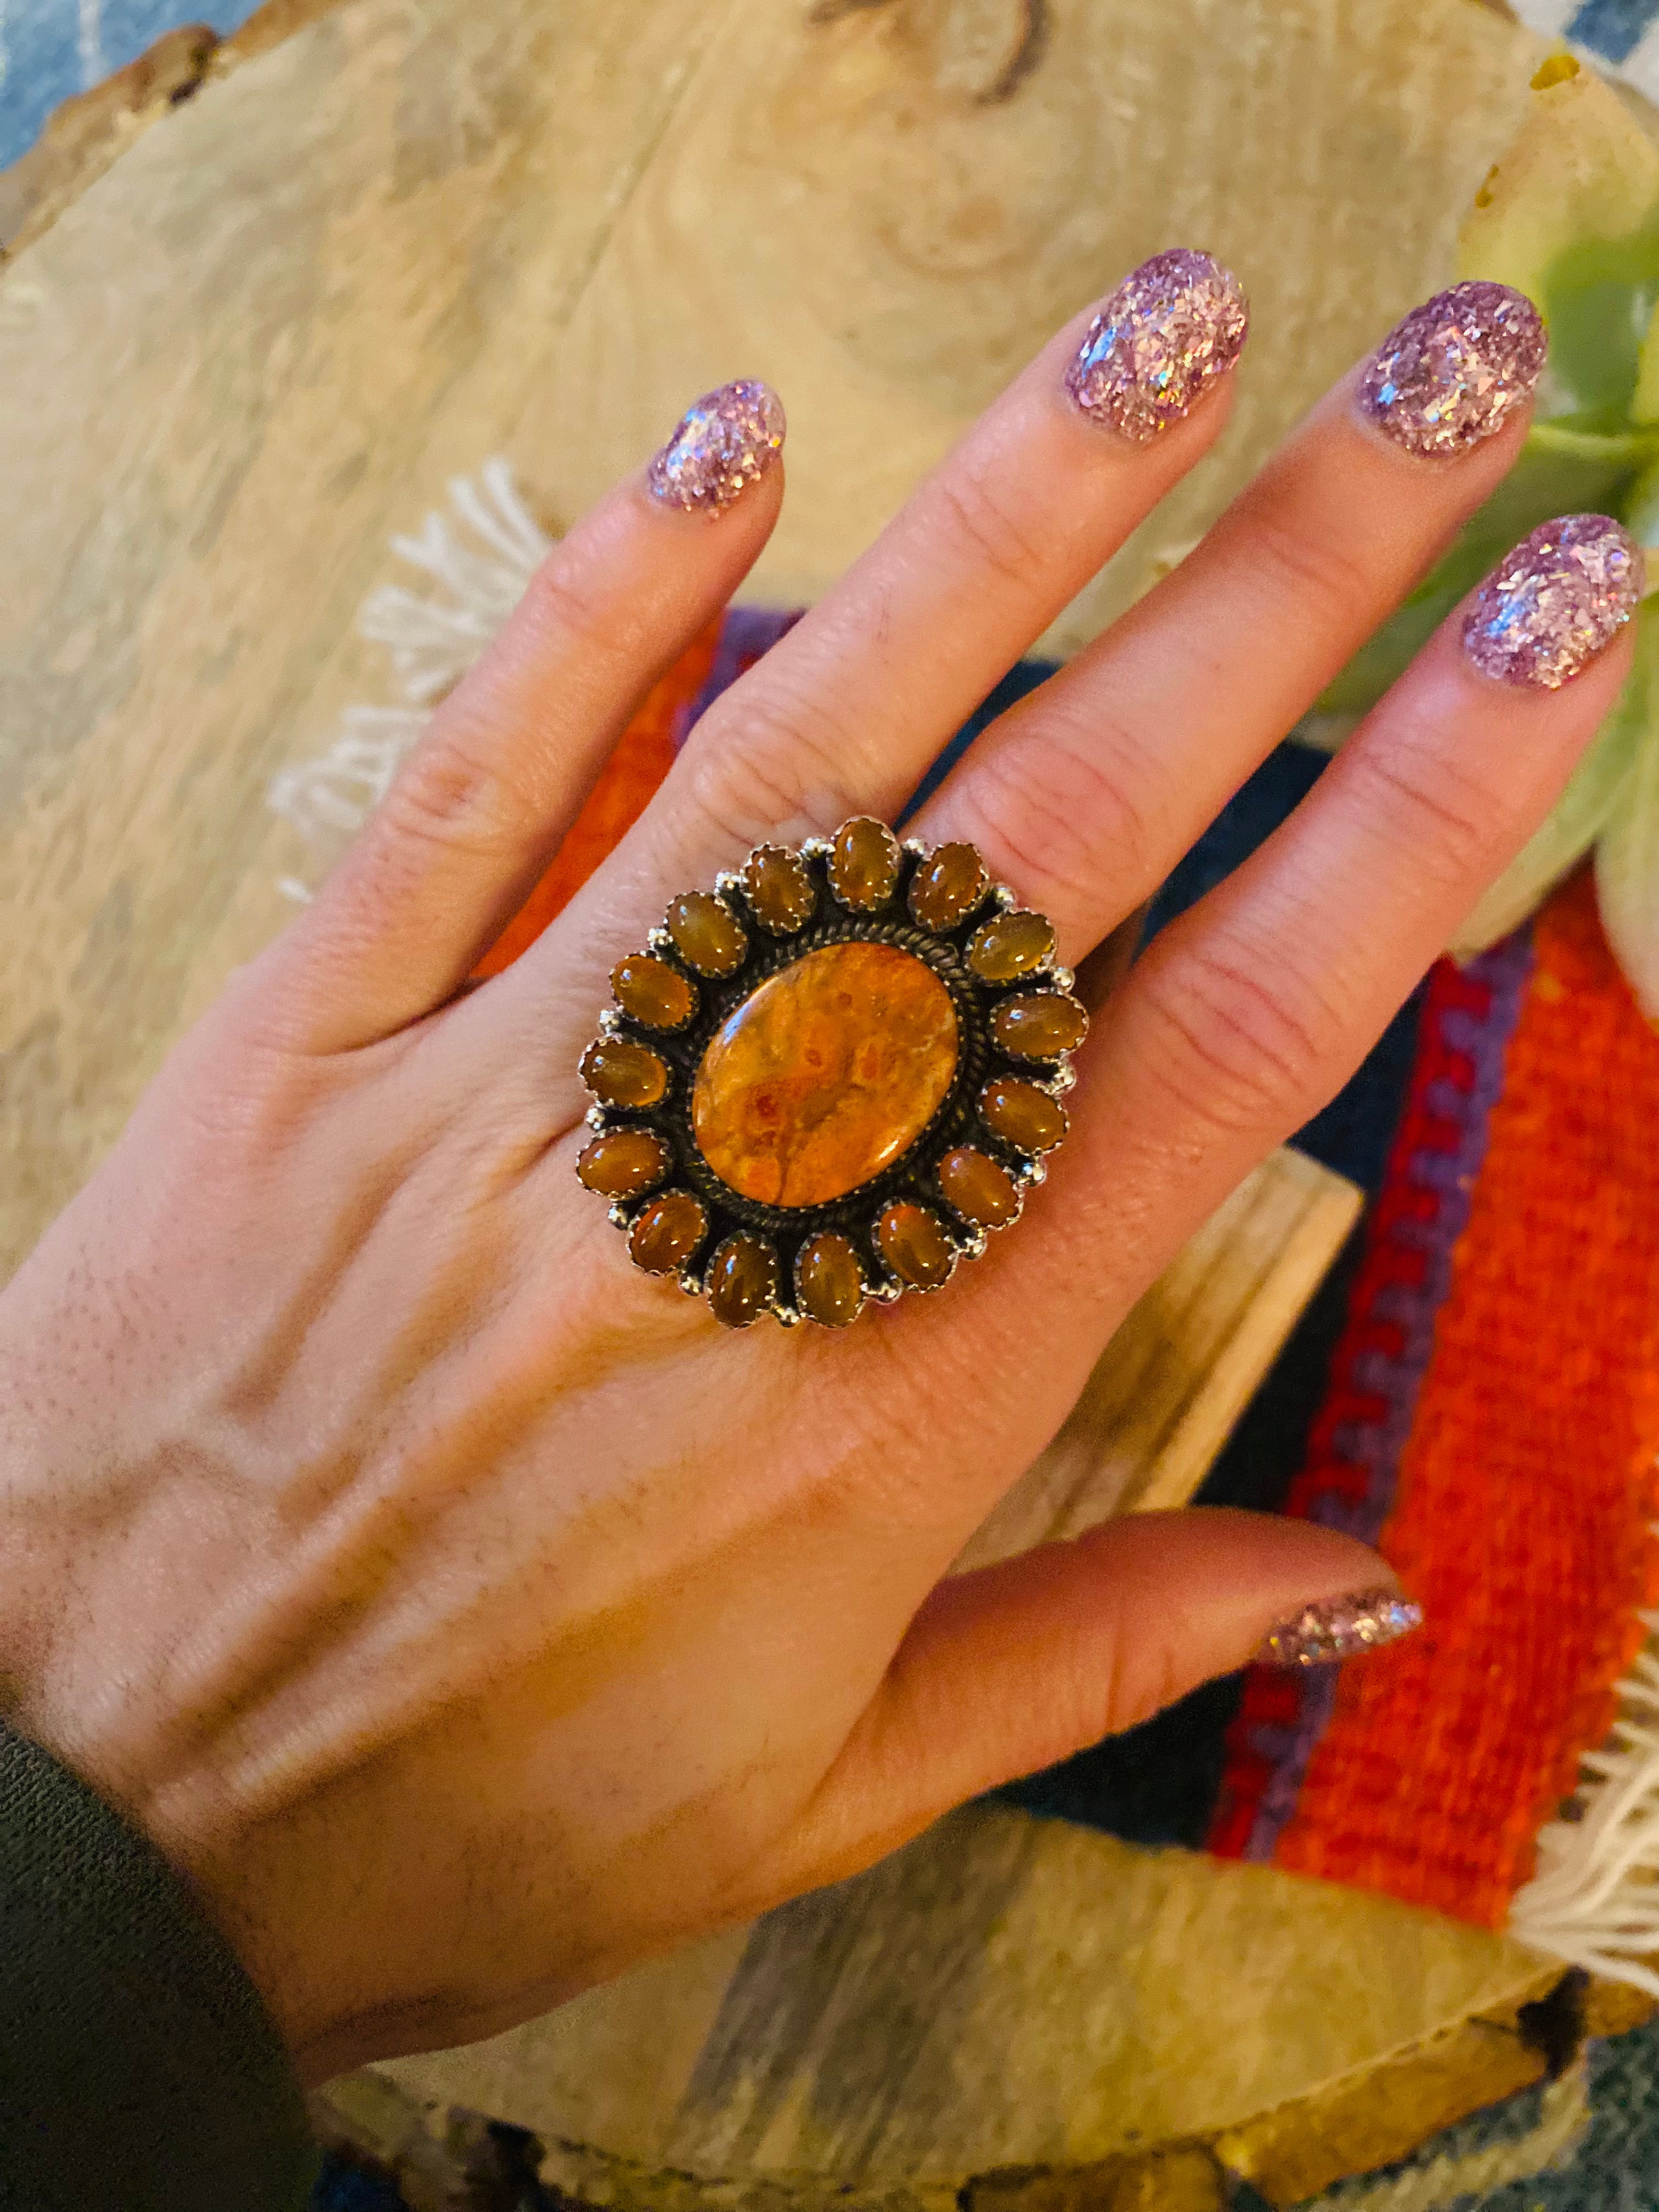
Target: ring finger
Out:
[1250,1012]
[844,715]
[1087,793]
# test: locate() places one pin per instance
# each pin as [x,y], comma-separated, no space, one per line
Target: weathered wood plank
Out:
[287,280]
[1007,1992]
[418,231]
[90,132]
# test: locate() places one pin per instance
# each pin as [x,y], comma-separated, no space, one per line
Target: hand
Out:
[468,1615]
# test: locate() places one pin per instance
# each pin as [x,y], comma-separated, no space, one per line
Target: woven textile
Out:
[1348,1479]
[1480,1393]
[1495,1394]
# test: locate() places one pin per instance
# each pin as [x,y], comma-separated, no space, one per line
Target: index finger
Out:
[844,715]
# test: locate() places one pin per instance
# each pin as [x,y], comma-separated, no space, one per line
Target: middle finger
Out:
[1087,793]
[844,715]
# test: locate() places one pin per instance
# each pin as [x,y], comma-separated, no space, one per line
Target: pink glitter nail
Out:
[1555,602]
[1340,1628]
[720,446]
[1456,369]
[1169,330]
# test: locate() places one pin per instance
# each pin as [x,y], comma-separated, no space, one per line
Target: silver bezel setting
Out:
[914,1176]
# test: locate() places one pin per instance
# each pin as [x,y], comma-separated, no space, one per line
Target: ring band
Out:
[827,1080]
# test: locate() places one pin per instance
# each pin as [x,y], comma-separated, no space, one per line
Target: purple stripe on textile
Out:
[745,634]
[1376,1446]
[1397,1378]
[1288,1750]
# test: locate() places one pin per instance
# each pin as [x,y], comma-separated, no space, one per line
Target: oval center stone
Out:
[825,1074]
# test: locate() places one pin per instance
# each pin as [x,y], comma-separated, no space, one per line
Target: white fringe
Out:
[479,557]
[1594,1899]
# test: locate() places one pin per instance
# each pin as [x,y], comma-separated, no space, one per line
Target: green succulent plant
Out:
[1570,216]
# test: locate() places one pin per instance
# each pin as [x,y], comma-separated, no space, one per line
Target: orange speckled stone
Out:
[1040,1027]
[864,864]
[978,1187]
[825,1074]
[778,888]
[707,934]
[946,888]
[621,1074]
[652,992]
[742,1279]
[667,1232]
[829,1280]
[1021,1115]
[1011,945]
[914,1245]
[622,1162]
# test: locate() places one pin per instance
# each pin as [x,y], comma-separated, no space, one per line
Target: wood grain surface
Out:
[240,356]
[1010,1993]
[88,132]
[419,231]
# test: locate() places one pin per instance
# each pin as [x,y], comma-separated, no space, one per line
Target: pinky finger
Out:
[1007,1669]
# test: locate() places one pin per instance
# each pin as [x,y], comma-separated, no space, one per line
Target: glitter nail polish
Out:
[726,441]
[1456,369]
[1172,327]
[1340,1628]
[1549,608]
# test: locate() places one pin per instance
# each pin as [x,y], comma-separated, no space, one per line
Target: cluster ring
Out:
[827,1081]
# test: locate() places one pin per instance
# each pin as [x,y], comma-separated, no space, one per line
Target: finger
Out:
[1007,1669]
[1249,1013]
[844,715]
[478,810]
[1086,794]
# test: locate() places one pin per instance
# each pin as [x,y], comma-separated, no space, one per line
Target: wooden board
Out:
[419,231]
[88,133]
[1012,1998]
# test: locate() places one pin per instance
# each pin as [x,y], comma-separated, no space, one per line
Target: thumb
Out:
[1007,1669]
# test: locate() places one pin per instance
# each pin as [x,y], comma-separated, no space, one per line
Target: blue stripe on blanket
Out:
[1612,28]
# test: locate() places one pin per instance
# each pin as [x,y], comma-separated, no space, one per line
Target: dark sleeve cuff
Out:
[138,2067]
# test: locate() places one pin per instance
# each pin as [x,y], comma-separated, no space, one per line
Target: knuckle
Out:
[1240,1046]
[777,758]
[448,796]
[1058,818]
[1144,1677]
[1316,574]
[984,528]
[563,606]
[1445,818]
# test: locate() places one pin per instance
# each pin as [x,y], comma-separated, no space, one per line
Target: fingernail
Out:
[1171,327]
[1550,608]
[722,445]
[1339,1628]
[1456,369]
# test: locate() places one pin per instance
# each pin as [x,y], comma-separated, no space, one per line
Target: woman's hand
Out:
[469,1615]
